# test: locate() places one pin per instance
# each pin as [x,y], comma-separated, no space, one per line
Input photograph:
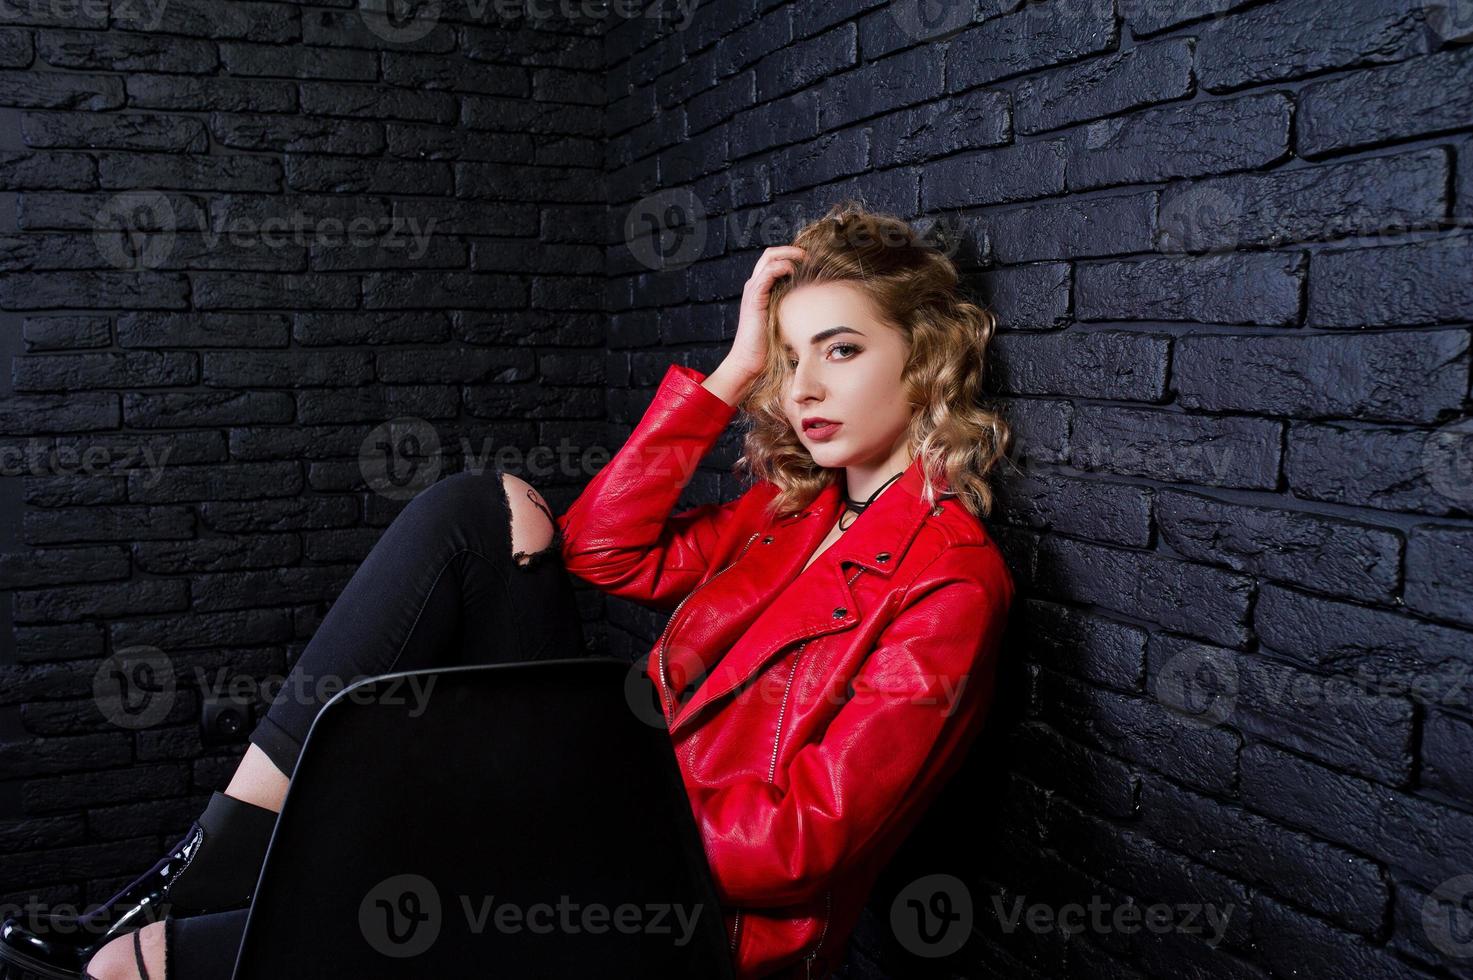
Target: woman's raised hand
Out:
[748,352]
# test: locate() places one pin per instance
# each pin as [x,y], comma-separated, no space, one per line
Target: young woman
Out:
[832,646]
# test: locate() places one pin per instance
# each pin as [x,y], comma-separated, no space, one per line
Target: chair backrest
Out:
[515,820]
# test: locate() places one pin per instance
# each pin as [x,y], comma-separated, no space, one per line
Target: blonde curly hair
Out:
[914,287]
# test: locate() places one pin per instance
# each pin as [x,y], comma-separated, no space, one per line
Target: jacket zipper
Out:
[827,913]
[660,647]
[828,896]
[782,712]
[783,708]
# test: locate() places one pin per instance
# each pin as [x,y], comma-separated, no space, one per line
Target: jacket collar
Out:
[810,602]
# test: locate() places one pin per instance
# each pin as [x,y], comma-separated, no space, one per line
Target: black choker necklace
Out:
[858,508]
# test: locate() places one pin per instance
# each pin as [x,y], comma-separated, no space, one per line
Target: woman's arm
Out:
[919,699]
[619,534]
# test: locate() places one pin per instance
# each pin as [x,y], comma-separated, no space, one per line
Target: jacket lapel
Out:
[805,603]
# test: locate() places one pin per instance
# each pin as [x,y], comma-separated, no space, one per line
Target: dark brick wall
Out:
[237,239]
[1229,246]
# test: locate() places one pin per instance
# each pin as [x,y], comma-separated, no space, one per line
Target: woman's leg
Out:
[469,572]
[441,587]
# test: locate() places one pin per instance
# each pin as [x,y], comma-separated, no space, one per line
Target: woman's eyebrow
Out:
[823,335]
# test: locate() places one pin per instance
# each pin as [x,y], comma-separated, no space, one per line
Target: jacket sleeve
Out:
[619,535]
[919,699]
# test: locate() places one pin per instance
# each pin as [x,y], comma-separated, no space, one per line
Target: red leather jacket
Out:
[830,703]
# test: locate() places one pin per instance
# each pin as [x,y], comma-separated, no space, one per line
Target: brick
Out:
[1294,38]
[66,332]
[1225,452]
[66,525]
[60,90]
[285,369]
[1337,884]
[1446,743]
[1087,647]
[1191,140]
[61,566]
[1073,229]
[1412,377]
[1112,364]
[1088,777]
[123,131]
[994,176]
[1382,466]
[1429,842]
[202,330]
[1031,38]
[1040,428]
[77,641]
[239,590]
[1365,197]
[291,514]
[206,630]
[797,65]
[67,604]
[1142,76]
[120,51]
[1391,285]
[178,92]
[35,414]
[1140,730]
[1354,727]
[1149,17]
[1380,104]
[375,404]
[1439,576]
[1239,288]
[1114,513]
[822,159]
[229,481]
[1192,599]
[176,409]
[1391,654]
[70,372]
[1028,297]
[324,329]
[916,135]
[1336,557]
[217,554]
[449,365]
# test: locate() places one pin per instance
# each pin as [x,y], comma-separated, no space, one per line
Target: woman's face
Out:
[844,365]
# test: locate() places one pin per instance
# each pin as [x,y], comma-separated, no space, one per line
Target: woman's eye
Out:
[848,347]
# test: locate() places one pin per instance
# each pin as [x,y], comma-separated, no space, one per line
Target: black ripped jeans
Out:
[439,588]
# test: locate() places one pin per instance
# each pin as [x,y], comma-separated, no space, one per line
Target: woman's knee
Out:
[462,499]
[532,523]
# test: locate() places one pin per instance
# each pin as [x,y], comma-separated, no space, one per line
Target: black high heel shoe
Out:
[213,868]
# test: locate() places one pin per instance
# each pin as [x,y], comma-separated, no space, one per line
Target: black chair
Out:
[421,832]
